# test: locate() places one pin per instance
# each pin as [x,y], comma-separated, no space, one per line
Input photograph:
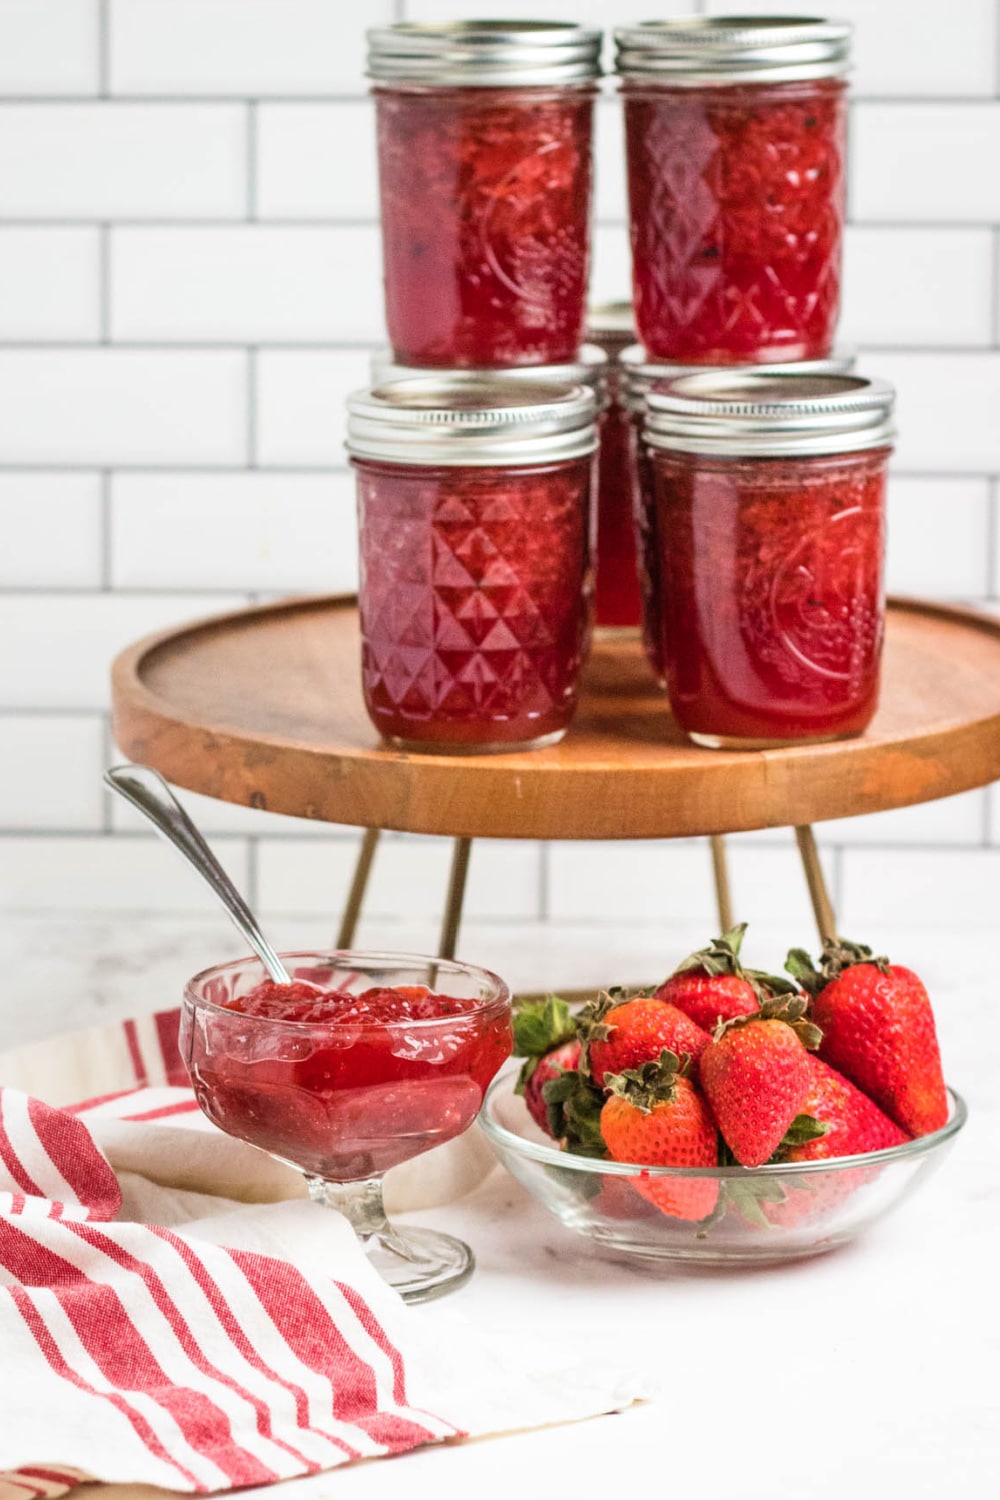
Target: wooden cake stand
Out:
[264,708]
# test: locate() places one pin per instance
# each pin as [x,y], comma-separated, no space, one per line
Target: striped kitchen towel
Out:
[205,1344]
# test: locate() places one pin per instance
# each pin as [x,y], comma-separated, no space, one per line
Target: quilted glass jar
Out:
[768,533]
[485,165]
[474,507]
[735,142]
[638,375]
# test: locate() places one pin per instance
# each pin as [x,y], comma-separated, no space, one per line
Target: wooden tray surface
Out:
[264,708]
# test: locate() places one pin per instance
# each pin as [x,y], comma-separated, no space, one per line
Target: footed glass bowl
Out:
[749,1216]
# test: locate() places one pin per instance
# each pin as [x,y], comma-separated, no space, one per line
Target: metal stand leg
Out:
[356,895]
[818,893]
[720,872]
[456,896]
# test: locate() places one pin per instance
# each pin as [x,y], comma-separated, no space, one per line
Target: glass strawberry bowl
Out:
[757,1216]
[367,1060]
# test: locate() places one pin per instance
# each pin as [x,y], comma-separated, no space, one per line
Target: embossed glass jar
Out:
[485,165]
[768,530]
[638,376]
[735,141]
[474,502]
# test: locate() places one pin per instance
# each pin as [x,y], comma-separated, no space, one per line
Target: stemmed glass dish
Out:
[394,1057]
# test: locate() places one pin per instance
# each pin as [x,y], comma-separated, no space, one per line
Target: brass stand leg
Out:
[456,896]
[818,893]
[720,871]
[356,895]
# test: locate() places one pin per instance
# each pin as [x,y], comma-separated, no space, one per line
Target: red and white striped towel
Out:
[244,1344]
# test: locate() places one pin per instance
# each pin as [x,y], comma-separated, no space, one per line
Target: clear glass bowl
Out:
[762,1215]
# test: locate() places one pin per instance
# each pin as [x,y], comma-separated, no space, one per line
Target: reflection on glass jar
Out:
[735,138]
[485,166]
[768,533]
[474,504]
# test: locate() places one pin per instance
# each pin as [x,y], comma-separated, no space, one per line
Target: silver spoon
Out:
[147,791]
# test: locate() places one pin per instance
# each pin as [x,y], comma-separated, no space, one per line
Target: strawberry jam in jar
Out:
[768,534]
[485,164]
[474,507]
[618,603]
[735,143]
[638,375]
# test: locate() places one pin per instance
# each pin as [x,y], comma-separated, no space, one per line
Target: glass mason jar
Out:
[485,165]
[768,533]
[639,375]
[616,586]
[474,503]
[735,144]
[618,603]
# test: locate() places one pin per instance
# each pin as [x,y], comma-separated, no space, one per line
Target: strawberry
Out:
[878,1030]
[544,1033]
[852,1123]
[712,985]
[756,1075]
[657,1117]
[623,1034]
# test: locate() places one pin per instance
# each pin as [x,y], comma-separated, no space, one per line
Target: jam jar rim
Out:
[589,368]
[398,421]
[639,373]
[691,51]
[739,414]
[484,53]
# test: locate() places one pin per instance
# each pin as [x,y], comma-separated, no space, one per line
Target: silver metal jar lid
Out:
[640,373]
[612,326]
[695,51]
[589,369]
[434,420]
[484,54]
[746,414]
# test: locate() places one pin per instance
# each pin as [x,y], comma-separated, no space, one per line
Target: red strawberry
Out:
[545,1034]
[756,1075]
[878,1030]
[655,1116]
[712,985]
[619,1035]
[853,1123]
[560,1060]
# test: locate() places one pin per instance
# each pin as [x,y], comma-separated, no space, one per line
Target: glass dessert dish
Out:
[760,1215]
[484,152]
[735,142]
[393,1059]
[766,540]
[474,511]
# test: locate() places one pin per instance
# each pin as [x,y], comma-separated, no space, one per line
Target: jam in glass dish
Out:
[735,144]
[474,502]
[365,1061]
[485,164]
[768,533]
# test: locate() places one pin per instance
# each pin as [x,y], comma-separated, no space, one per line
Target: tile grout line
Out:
[993,540]
[995,292]
[104,49]
[108,746]
[251,160]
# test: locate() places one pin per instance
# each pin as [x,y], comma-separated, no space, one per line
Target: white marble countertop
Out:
[871,1371]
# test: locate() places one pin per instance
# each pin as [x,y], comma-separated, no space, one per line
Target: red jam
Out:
[371,1080]
[737,209]
[617,598]
[771,593]
[485,202]
[474,600]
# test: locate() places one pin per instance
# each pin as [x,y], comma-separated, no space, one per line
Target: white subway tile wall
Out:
[189,286]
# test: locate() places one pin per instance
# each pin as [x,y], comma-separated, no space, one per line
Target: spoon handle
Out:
[147,791]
